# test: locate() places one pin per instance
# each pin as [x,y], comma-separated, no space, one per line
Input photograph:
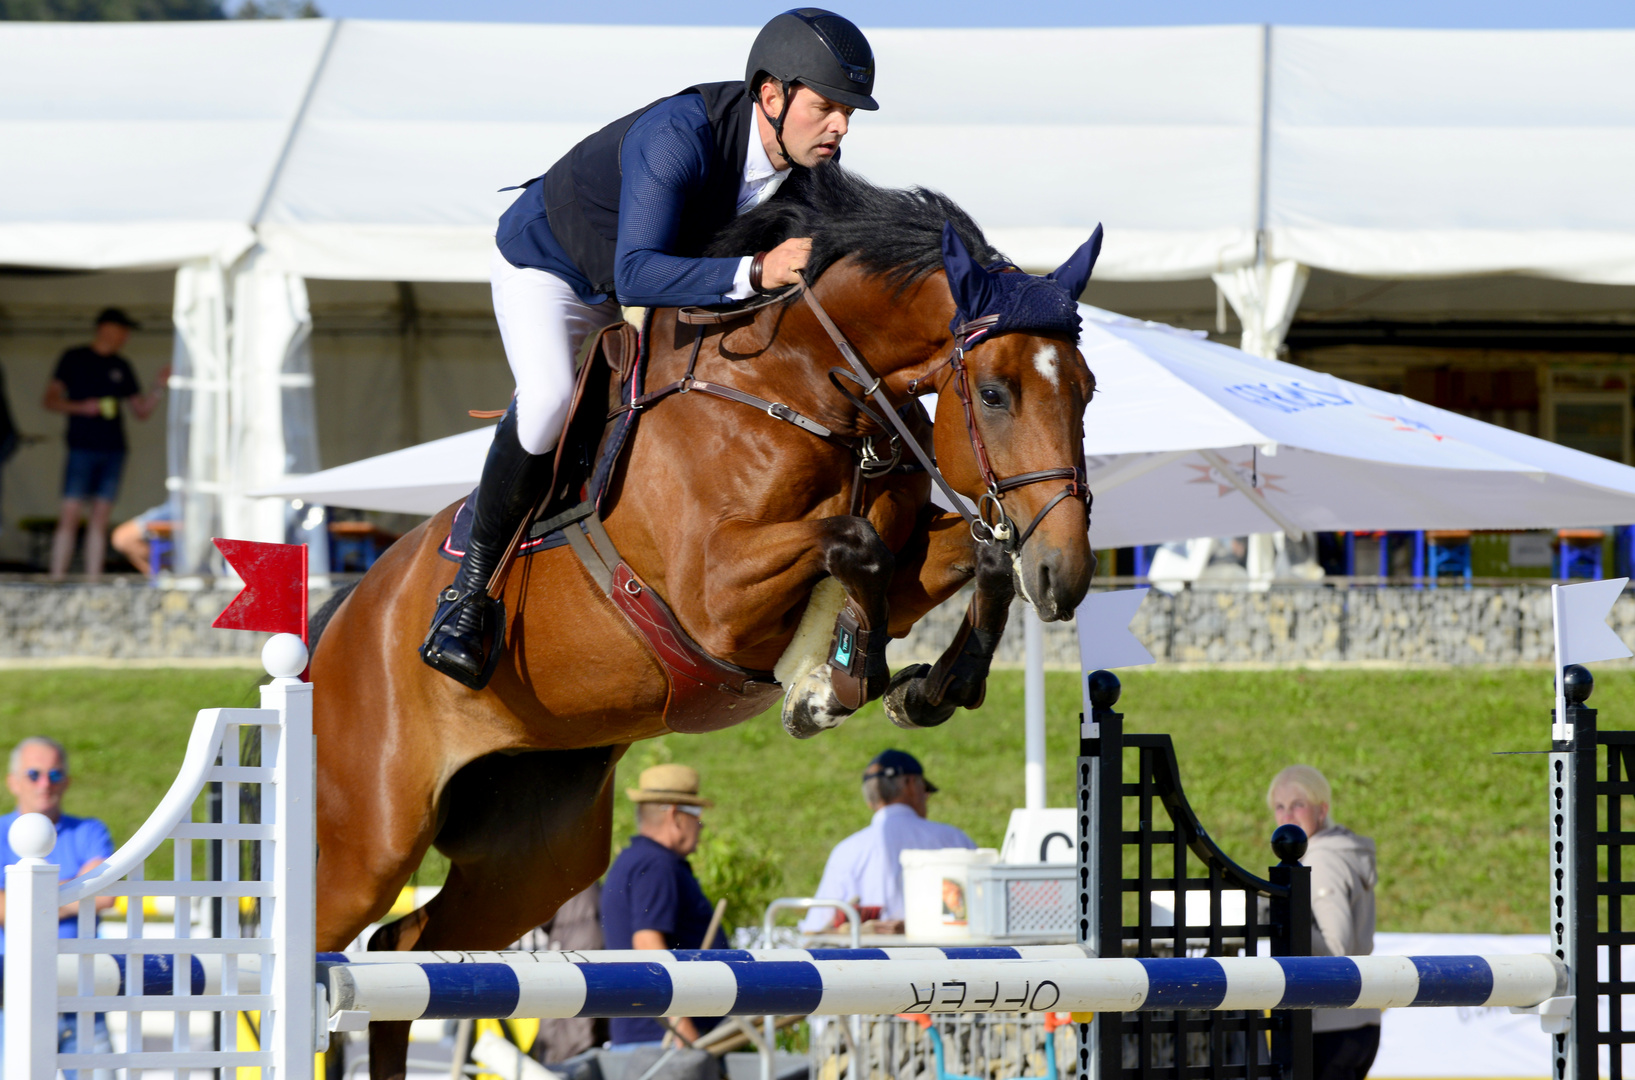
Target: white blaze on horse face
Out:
[1045,361]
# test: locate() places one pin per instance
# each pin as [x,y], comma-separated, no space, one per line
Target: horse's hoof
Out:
[905,700]
[810,706]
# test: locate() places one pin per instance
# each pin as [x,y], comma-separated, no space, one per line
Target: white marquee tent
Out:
[250,157]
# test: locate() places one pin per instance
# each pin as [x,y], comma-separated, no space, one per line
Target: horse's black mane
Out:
[895,232]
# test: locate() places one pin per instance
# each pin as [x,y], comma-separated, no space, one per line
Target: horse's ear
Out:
[1074,274]
[967,279]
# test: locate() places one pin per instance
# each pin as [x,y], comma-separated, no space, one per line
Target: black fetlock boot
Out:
[513,483]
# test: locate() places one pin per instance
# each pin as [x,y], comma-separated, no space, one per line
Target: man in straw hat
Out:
[651,900]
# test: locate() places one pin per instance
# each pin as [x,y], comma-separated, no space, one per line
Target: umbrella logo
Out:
[1408,423]
[1288,397]
[1208,474]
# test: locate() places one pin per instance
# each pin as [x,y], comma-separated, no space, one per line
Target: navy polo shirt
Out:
[650,887]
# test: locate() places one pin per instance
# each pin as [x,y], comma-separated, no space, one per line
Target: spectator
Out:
[1343,882]
[130,538]
[8,433]
[866,868]
[38,778]
[651,900]
[90,385]
[576,926]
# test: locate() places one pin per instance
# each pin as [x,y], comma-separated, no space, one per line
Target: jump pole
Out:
[369,992]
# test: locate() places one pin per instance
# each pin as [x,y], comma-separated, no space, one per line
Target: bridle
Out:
[990,524]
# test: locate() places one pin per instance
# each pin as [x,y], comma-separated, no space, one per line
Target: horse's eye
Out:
[992,398]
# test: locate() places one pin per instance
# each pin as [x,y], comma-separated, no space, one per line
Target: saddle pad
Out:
[459,535]
[454,545]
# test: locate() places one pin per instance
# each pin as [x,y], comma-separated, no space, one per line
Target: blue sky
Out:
[1564,14]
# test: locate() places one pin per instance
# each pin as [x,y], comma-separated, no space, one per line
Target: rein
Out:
[1001,530]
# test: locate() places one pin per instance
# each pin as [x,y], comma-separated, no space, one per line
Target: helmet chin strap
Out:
[777,122]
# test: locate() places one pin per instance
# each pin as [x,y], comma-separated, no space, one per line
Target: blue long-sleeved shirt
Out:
[666,157]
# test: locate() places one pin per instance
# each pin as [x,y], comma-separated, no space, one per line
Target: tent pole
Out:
[1034,710]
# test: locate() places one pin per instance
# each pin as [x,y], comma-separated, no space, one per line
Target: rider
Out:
[623,218]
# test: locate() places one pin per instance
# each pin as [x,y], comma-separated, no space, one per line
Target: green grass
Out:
[1410,753]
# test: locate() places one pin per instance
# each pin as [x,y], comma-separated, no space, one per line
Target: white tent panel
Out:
[1409,153]
[143,145]
[413,127]
[1041,134]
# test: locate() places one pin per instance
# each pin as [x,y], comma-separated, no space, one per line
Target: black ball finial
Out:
[1289,844]
[1104,689]
[1577,681]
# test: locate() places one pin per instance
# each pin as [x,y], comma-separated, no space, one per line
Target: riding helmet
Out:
[819,49]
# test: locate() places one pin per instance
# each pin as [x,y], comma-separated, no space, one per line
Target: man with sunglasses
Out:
[38,779]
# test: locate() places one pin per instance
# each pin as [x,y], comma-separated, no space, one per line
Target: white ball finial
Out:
[32,836]
[284,656]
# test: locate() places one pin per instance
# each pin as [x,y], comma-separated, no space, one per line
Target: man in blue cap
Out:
[866,867]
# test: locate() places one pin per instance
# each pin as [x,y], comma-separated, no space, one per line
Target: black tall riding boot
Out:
[512,484]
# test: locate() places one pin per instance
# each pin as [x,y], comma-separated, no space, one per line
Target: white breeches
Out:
[543,325]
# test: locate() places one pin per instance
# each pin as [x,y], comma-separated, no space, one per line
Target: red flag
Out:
[274,597]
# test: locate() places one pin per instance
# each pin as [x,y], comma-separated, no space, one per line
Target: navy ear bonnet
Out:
[1022,301]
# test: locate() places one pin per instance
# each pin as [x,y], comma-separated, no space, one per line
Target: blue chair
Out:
[1447,554]
[1579,553]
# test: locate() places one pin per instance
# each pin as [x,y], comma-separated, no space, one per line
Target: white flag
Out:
[1105,640]
[1582,634]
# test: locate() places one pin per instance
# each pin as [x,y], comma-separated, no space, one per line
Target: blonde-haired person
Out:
[1344,878]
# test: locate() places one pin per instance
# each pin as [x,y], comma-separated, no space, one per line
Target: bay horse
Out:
[736,518]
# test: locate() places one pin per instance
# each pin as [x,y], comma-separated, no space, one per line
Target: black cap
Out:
[897,763]
[819,49]
[117,316]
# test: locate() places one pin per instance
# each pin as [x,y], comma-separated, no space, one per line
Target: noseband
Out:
[990,524]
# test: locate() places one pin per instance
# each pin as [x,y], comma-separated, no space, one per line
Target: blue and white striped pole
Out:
[705,987]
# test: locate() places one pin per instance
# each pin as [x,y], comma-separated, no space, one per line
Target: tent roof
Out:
[373,150]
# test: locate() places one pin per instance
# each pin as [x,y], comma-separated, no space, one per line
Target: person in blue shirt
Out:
[651,900]
[866,868]
[624,218]
[38,778]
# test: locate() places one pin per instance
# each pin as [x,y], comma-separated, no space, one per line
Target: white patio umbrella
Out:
[416,480]
[1189,438]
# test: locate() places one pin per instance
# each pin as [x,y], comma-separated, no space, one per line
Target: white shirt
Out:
[759,183]
[866,867]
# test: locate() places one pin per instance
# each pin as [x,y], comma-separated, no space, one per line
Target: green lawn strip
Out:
[1410,753]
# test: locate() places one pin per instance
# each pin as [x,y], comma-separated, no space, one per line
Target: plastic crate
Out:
[1023,901]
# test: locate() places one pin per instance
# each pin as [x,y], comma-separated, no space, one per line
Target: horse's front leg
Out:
[925,695]
[855,672]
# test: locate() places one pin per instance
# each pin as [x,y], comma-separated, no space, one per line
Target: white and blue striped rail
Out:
[699,984]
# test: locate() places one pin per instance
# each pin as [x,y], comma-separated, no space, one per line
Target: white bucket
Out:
[937,891]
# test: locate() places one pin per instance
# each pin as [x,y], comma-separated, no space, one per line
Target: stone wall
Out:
[130,621]
[121,620]
[1309,625]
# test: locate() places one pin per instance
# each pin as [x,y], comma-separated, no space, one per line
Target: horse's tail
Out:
[315,627]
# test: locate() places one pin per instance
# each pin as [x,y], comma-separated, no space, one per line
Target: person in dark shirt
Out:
[8,427]
[91,385]
[651,900]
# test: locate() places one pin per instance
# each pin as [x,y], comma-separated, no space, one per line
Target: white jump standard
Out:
[700,986]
